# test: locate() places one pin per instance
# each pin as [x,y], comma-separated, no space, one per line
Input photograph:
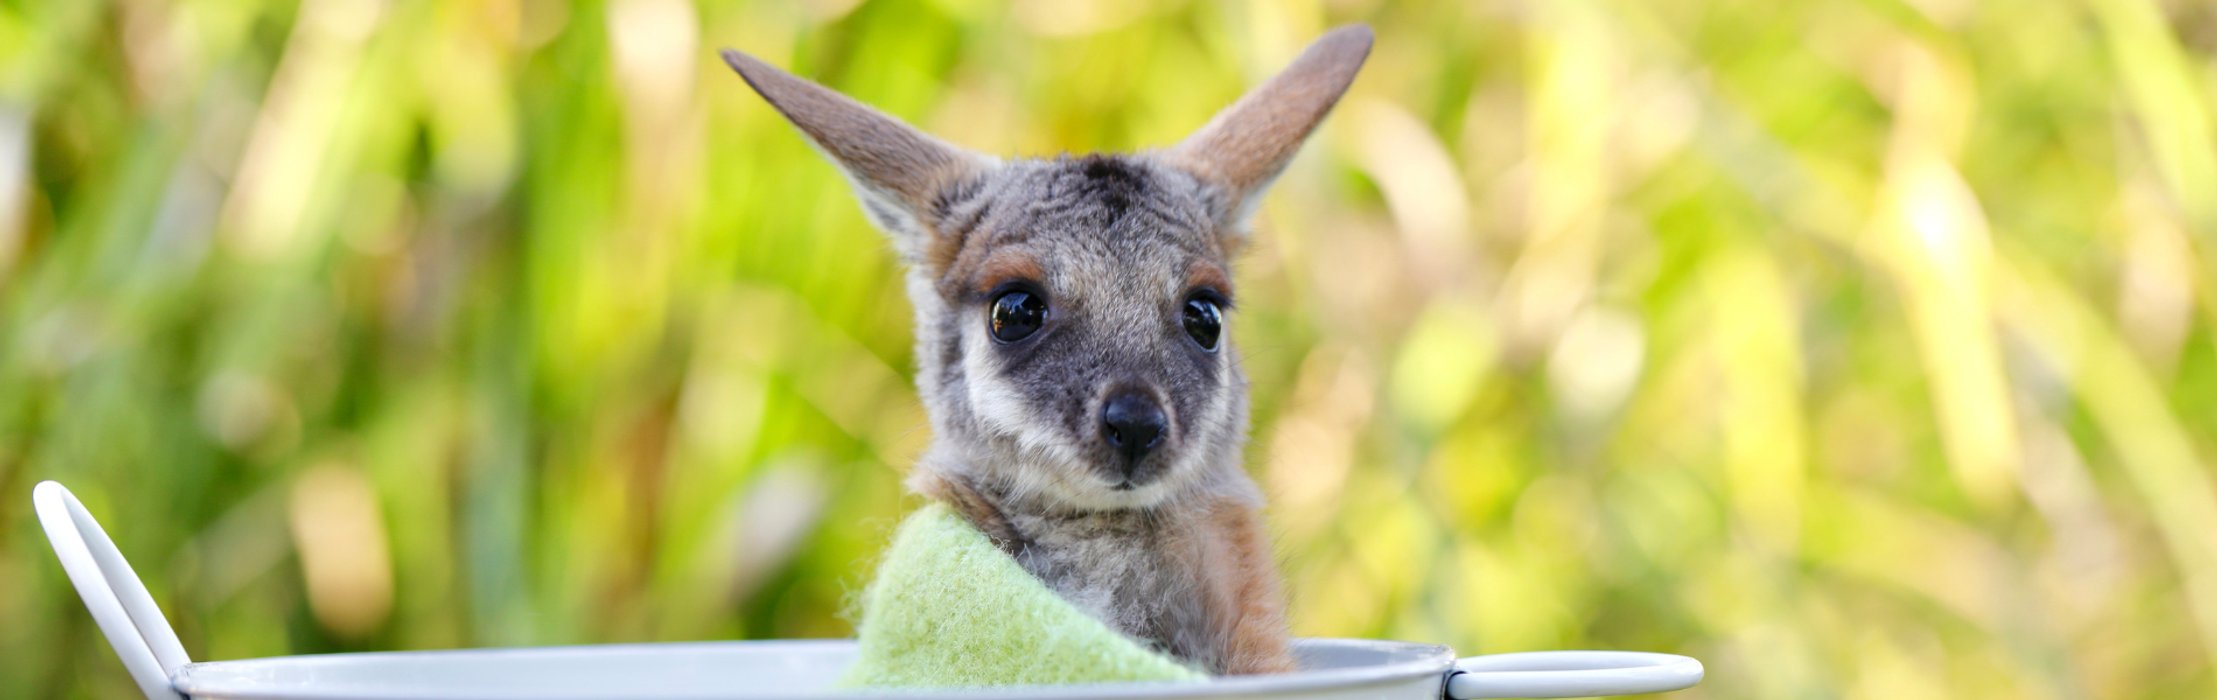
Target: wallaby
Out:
[1087,409]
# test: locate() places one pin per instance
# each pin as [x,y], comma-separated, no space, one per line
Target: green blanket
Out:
[950,610]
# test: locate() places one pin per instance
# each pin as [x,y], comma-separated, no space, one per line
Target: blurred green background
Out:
[1861,348]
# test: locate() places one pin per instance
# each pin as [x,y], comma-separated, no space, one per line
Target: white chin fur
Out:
[1099,495]
[1054,476]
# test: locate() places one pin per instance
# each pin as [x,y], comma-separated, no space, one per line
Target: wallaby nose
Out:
[1133,423]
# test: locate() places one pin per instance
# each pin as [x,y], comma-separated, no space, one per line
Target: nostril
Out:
[1132,423]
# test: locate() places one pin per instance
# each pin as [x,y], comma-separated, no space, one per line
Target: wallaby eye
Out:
[1204,322]
[1016,315]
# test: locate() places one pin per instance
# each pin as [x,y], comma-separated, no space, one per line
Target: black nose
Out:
[1133,423]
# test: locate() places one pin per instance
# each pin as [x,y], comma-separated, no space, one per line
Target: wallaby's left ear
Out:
[1250,142]
[898,172]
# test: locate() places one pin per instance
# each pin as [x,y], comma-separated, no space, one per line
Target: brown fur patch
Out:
[1206,273]
[941,250]
[1251,620]
[971,505]
[1002,267]
[967,260]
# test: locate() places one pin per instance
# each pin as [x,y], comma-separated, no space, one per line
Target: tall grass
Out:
[1859,348]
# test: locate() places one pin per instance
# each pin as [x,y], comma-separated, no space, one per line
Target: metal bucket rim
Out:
[1406,661]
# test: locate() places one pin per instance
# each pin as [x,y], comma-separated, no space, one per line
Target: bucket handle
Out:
[1570,674]
[120,605]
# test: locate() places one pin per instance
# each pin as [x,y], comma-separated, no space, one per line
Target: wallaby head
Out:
[1071,312]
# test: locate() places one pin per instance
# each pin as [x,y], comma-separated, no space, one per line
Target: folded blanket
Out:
[950,610]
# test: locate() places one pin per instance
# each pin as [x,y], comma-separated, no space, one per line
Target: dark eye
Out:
[1016,315]
[1204,322]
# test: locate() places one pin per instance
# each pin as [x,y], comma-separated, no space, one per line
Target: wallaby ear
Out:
[1250,142]
[898,172]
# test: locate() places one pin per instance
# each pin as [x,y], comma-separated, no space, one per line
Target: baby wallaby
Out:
[1087,409]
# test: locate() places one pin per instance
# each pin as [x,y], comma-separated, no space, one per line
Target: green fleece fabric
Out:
[950,610]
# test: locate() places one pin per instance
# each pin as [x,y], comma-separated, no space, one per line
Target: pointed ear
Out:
[1245,147]
[898,172]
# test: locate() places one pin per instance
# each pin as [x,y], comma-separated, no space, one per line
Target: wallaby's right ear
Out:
[898,172]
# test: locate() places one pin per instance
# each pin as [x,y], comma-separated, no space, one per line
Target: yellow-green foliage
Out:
[1861,348]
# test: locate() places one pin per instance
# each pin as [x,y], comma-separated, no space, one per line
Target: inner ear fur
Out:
[898,172]
[1245,146]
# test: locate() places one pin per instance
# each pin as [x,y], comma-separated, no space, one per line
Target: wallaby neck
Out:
[1011,519]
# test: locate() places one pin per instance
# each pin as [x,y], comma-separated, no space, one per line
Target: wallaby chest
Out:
[1137,571]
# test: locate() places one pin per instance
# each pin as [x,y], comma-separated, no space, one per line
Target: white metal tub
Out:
[1333,669]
